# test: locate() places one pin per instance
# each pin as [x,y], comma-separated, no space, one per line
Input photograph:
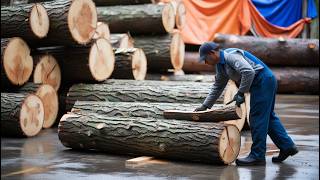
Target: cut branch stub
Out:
[121,41]
[17,64]
[47,71]
[102,31]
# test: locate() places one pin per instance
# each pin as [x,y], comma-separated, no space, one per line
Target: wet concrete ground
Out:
[44,157]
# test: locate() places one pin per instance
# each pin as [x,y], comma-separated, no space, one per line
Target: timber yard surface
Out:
[44,157]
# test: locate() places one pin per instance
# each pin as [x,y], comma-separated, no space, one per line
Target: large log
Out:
[132,93]
[92,63]
[192,64]
[47,71]
[30,22]
[157,110]
[21,114]
[138,19]
[213,143]
[284,52]
[163,52]
[107,2]
[49,98]
[71,22]
[130,64]
[118,82]
[16,62]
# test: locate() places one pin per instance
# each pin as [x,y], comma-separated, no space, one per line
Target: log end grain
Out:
[31,115]
[17,62]
[180,15]
[47,71]
[168,17]
[101,60]
[82,20]
[49,97]
[139,65]
[39,21]
[177,50]
[229,144]
[102,31]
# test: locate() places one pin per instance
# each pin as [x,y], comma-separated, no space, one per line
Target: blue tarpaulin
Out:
[284,12]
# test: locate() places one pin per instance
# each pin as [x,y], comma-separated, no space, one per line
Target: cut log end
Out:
[228,96]
[49,98]
[180,15]
[39,21]
[31,115]
[139,65]
[102,31]
[168,17]
[17,62]
[229,144]
[82,20]
[101,60]
[121,41]
[47,71]
[177,50]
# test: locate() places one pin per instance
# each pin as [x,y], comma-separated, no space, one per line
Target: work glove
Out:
[239,98]
[201,108]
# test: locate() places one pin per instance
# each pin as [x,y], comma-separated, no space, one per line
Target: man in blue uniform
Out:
[251,75]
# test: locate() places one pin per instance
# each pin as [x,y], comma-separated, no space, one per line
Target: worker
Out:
[251,75]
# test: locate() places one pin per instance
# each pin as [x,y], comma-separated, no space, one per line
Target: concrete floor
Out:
[44,157]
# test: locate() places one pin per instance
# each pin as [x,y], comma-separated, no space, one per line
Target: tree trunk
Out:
[213,143]
[133,109]
[192,64]
[121,41]
[29,21]
[92,63]
[133,93]
[138,19]
[80,16]
[49,98]
[21,114]
[163,52]
[298,52]
[297,79]
[16,62]
[214,115]
[130,64]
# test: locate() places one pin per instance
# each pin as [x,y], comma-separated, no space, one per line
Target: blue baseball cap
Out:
[205,48]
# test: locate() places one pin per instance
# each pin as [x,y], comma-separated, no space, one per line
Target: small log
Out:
[102,31]
[21,114]
[16,62]
[133,109]
[48,96]
[298,52]
[71,22]
[212,115]
[121,41]
[47,71]
[231,90]
[213,143]
[28,21]
[163,52]
[138,19]
[192,64]
[133,93]
[130,64]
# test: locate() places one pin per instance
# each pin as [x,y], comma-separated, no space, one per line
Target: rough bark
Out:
[121,41]
[133,109]
[182,140]
[122,82]
[120,2]
[192,65]
[207,78]
[5,2]
[132,93]
[136,19]
[11,106]
[272,51]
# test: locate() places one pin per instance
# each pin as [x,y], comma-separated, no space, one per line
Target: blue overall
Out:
[263,119]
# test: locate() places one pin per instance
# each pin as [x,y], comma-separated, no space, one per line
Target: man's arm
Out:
[220,83]
[237,62]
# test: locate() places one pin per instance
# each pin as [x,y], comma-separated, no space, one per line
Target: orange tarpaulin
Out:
[207,17]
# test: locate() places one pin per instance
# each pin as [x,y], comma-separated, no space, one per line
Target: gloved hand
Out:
[239,98]
[201,108]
